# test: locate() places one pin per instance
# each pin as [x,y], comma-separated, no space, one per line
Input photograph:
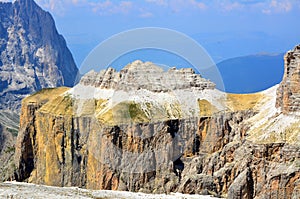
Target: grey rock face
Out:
[206,155]
[139,75]
[32,56]
[288,93]
[32,53]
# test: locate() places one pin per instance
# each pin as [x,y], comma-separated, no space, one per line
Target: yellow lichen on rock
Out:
[239,102]
[206,108]
[123,113]
[45,95]
[61,105]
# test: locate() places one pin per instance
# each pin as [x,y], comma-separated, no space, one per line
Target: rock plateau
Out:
[155,131]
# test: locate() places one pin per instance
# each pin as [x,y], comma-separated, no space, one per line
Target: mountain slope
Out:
[149,130]
[32,53]
[251,74]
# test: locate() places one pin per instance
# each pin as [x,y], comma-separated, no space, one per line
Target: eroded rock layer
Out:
[139,75]
[288,93]
[33,55]
[221,148]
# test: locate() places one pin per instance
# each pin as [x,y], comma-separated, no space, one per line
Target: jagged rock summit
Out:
[32,53]
[159,131]
[289,90]
[148,76]
[157,93]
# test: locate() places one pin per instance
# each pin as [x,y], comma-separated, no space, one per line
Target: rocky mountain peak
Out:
[288,93]
[138,65]
[146,75]
[33,55]
[201,141]
[27,5]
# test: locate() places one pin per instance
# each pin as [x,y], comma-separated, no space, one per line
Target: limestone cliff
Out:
[33,55]
[139,75]
[289,90]
[115,131]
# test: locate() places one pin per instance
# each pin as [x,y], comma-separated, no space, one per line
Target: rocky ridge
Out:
[235,146]
[32,53]
[289,90]
[139,75]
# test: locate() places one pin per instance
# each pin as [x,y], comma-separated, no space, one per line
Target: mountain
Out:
[155,131]
[250,74]
[289,91]
[33,55]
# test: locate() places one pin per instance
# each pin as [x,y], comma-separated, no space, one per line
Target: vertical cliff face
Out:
[206,155]
[32,56]
[69,139]
[63,149]
[32,53]
[288,93]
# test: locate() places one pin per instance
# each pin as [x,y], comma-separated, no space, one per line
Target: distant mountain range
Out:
[251,73]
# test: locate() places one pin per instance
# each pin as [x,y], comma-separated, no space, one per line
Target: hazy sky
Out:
[225,28]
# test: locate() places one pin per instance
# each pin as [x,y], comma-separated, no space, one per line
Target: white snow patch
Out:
[90,92]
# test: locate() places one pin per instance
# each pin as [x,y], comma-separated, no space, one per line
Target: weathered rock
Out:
[242,187]
[32,56]
[288,93]
[32,53]
[212,157]
[139,75]
[204,154]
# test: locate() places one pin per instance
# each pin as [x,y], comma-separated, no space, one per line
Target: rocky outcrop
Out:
[288,93]
[208,155]
[32,56]
[32,53]
[67,139]
[79,151]
[139,75]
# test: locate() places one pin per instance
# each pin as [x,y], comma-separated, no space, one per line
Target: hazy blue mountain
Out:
[251,73]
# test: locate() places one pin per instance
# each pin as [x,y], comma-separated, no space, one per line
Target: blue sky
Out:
[225,28]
